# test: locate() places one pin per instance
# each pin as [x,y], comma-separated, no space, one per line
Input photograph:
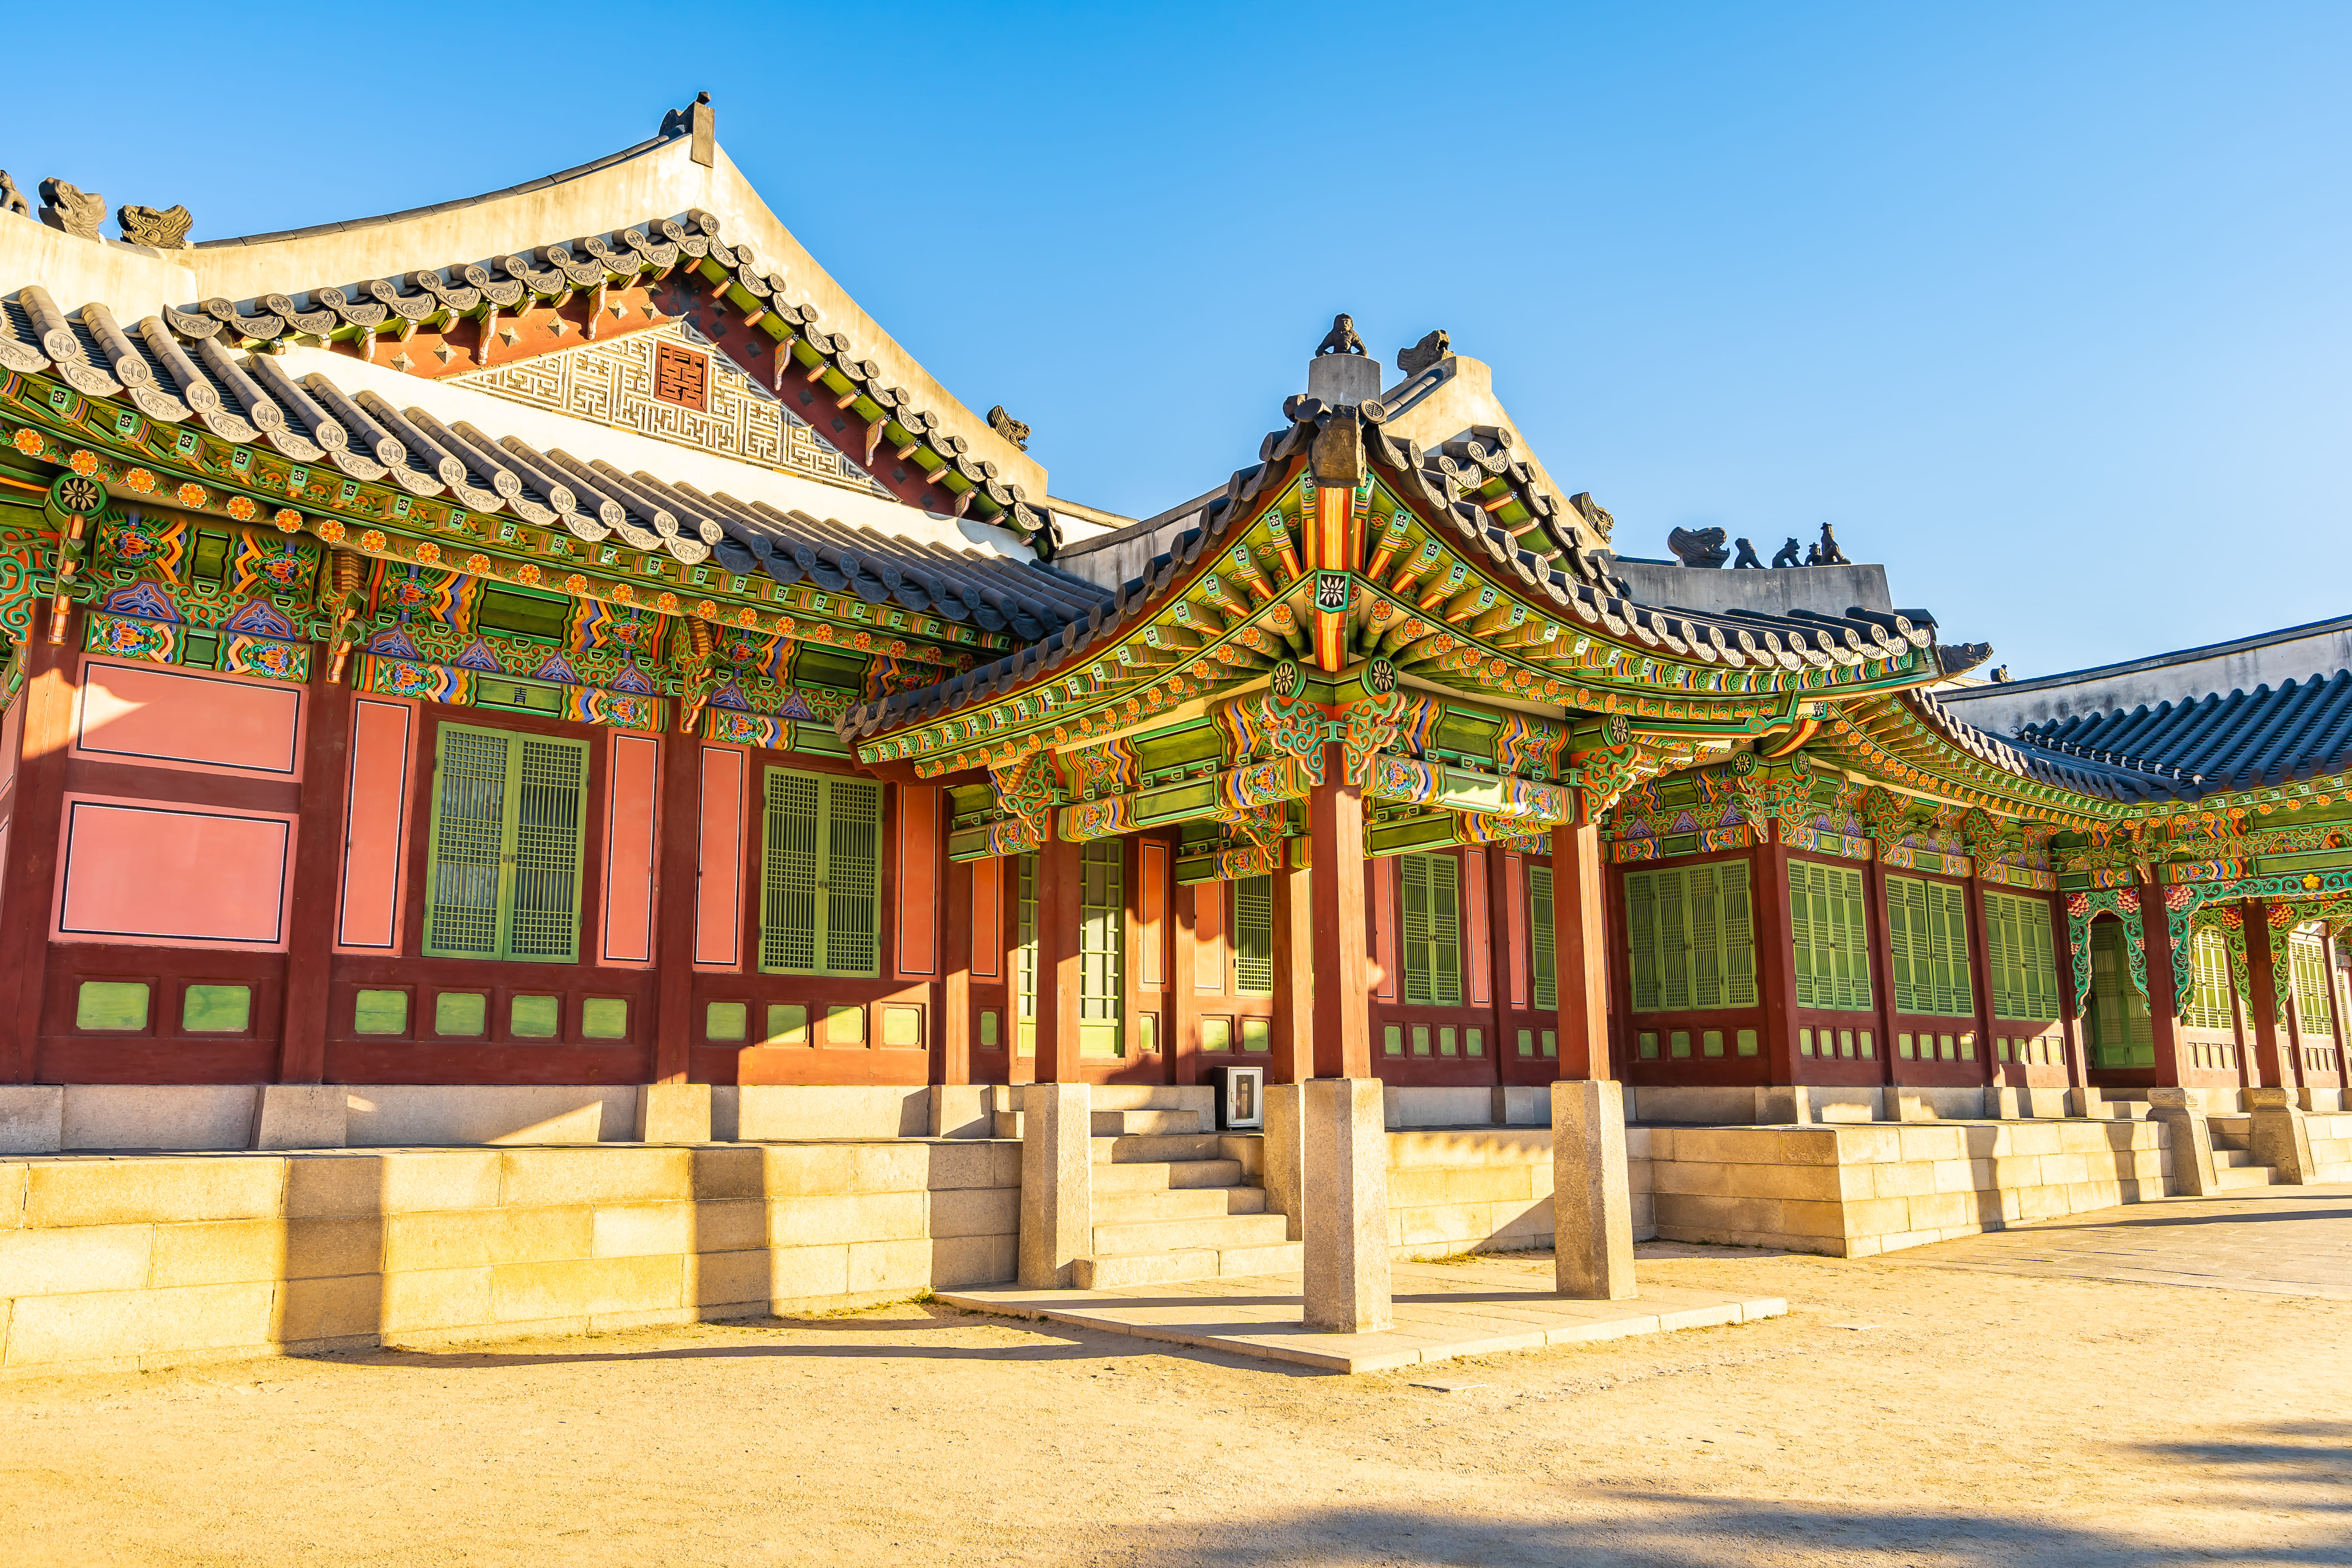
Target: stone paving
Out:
[2278,1241]
[1442,1310]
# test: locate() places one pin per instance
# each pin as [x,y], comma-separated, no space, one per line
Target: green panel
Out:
[1177,803]
[1216,1034]
[112,1004]
[1257,1034]
[470,835]
[815,665]
[853,943]
[522,696]
[604,1018]
[845,1025]
[1102,944]
[788,901]
[461,1012]
[787,1025]
[534,1017]
[1642,939]
[380,1013]
[550,817]
[989,1039]
[520,612]
[2308,965]
[1690,932]
[1254,935]
[1412,833]
[1543,949]
[216,1009]
[726,1021]
[1432,930]
[2120,1032]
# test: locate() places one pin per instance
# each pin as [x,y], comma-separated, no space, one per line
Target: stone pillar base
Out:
[1057,1196]
[1591,1201]
[961,1111]
[301,1116]
[32,1118]
[673,1113]
[1345,1186]
[2090,1102]
[1775,1104]
[1286,1154]
[2281,1140]
[2182,1111]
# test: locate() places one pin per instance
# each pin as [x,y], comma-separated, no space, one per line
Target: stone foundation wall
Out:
[161,1260]
[1487,1190]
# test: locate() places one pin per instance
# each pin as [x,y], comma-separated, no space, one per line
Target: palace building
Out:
[557,641]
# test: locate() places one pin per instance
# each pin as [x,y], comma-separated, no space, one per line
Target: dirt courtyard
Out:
[1904,1411]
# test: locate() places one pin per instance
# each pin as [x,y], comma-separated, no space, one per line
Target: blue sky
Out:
[2046,306]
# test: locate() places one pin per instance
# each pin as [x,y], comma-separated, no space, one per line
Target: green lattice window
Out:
[1254,935]
[2023,963]
[1928,947]
[509,810]
[2121,1034]
[1691,938]
[1025,954]
[821,882]
[1830,936]
[2307,961]
[1432,930]
[1542,938]
[2213,982]
[1102,950]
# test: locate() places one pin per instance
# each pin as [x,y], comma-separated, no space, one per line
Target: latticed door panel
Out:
[1024,954]
[1102,943]
[2024,980]
[2307,961]
[821,876]
[1829,937]
[469,843]
[853,878]
[551,780]
[2208,995]
[790,871]
[1433,930]
[1692,933]
[1254,934]
[1928,925]
[1543,949]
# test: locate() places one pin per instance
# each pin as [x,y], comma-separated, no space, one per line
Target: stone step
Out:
[2231,1159]
[1114,1123]
[1108,1270]
[1152,1147]
[1180,1235]
[1154,1176]
[2244,1176]
[1181,1203]
[2230,1131]
[1154,1097]
[1006,1123]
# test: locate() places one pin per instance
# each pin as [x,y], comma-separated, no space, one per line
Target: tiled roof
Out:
[2243,741]
[2123,779]
[1467,485]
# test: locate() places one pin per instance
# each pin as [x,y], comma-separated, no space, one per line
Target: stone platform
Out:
[1442,1310]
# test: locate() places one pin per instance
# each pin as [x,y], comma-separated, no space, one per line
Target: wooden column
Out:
[28,879]
[1294,971]
[318,866]
[1881,918]
[677,826]
[1508,962]
[1061,873]
[1341,1008]
[1979,987]
[951,1058]
[2263,999]
[1775,975]
[1579,929]
[1183,965]
[2163,1005]
[2071,1007]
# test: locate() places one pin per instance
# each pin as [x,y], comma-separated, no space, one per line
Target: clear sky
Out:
[2044,306]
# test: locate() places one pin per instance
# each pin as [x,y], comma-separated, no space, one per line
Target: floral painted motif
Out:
[190,495]
[139,479]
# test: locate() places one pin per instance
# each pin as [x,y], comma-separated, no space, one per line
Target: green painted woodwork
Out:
[1543,947]
[1254,935]
[523,613]
[726,1021]
[1829,926]
[1216,1034]
[2307,962]
[1257,1034]
[604,1018]
[1432,930]
[1691,938]
[820,893]
[112,1004]
[380,1013]
[845,1025]
[1024,953]
[2117,1022]
[989,1037]
[1102,950]
[2210,996]
[902,1026]
[534,1017]
[787,1025]
[461,1012]
[2023,962]
[1928,947]
[507,820]
[216,1009]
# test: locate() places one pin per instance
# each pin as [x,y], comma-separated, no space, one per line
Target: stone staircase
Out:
[2233,1154]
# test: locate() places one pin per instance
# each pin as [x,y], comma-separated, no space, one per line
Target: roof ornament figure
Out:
[1959,656]
[1594,514]
[1698,547]
[72,209]
[697,120]
[1425,354]
[1746,557]
[1009,427]
[1786,554]
[11,198]
[1341,338]
[1826,552]
[161,228]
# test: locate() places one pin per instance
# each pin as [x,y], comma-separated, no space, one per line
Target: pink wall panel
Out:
[1208,936]
[179,718]
[1515,901]
[12,741]
[1480,913]
[917,915]
[193,877]
[1382,875]
[987,917]
[375,826]
[1151,922]
[719,885]
[630,843]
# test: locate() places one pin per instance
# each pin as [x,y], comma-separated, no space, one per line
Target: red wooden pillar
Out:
[2163,1004]
[2070,1006]
[1061,886]
[677,893]
[28,878]
[1293,895]
[1880,919]
[1580,930]
[1506,969]
[2263,999]
[1980,985]
[1341,1008]
[1775,976]
[1183,992]
[951,1061]
[326,781]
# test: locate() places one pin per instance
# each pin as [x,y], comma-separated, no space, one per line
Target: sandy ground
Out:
[1900,1413]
